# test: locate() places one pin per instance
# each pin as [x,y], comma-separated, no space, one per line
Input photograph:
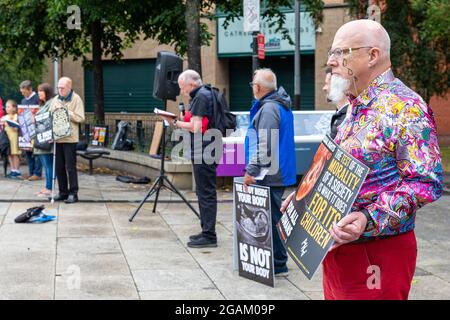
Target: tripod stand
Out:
[159,183]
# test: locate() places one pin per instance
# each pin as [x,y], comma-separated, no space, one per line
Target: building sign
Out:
[234,41]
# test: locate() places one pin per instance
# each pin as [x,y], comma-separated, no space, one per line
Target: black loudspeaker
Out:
[168,68]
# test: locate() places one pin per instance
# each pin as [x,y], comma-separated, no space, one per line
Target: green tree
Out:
[32,29]
[13,72]
[419,31]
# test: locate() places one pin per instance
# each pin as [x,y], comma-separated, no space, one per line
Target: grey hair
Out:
[191,75]
[266,78]
[26,84]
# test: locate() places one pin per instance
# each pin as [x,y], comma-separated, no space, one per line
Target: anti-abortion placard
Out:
[25,118]
[253,233]
[325,195]
[44,133]
[61,123]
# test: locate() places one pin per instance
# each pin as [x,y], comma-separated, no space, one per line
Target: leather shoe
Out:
[59,197]
[195,236]
[71,199]
[202,242]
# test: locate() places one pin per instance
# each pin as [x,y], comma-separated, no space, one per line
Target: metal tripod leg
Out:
[174,189]
[158,189]
[149,194]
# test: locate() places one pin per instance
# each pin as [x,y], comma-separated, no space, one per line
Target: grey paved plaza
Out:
[92,251]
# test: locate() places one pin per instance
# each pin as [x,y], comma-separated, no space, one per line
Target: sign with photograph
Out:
[25,118]
[99,136]
[44,133]
[253,233]
[325,195]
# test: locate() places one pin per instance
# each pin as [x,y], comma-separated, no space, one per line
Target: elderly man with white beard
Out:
[335,89]
[390,129]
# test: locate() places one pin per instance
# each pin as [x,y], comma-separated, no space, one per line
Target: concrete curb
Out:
[111,201]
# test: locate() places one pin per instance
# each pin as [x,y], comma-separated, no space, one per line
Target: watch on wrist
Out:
[369,224]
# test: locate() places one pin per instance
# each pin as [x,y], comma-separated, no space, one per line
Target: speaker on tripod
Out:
[165,87]
[168,68]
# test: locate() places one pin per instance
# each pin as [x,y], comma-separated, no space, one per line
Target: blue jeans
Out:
[47,163]
[34,164]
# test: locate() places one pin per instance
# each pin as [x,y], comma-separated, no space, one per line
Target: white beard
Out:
[338,88]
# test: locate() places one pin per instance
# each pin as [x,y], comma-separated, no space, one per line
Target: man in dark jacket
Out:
[31,98]
[269,145]
[204,169]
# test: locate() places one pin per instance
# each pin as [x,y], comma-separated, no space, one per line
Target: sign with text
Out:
[25,118]
[325,195]
[44,133]
[261,47]
[235,41]
[253,233]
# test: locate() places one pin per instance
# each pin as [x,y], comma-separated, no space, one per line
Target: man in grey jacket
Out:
[269,145]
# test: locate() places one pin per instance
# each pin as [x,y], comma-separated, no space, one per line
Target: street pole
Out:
[55,71]
[255,61]
[297,87]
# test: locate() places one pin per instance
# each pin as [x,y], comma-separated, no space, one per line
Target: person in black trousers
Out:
[66,148]
[196,121]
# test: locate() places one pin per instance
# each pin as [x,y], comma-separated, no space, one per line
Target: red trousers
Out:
[380,269]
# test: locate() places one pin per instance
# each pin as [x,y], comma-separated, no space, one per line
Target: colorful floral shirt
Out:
[392,130]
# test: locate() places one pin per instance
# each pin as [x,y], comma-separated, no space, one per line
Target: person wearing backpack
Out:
[270,145]
[200,107]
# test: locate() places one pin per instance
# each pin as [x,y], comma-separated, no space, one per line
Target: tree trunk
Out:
[97,64]
[192,18]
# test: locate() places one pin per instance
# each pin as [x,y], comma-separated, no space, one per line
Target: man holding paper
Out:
[270,150]
[204,168]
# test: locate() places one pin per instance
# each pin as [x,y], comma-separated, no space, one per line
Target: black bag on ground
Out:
[31,212]
[128,179]
[223,119]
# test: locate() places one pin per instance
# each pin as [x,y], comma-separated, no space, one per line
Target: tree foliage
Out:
[419,31]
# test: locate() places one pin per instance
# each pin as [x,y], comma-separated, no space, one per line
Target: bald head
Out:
[360,53]
[364,32]
[64,86]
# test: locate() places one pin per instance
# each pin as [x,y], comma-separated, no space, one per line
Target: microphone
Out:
[181,108]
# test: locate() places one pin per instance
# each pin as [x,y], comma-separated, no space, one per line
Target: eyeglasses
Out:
[338,53]
[251,84]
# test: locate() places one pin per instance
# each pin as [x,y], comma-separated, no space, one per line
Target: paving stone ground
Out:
[92,251]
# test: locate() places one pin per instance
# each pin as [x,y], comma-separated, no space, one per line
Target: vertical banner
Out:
[44,133]
[251,15]
[25,118]
[325,195]
[253,233]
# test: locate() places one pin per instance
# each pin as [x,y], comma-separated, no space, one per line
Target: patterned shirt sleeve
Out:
[419,166]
